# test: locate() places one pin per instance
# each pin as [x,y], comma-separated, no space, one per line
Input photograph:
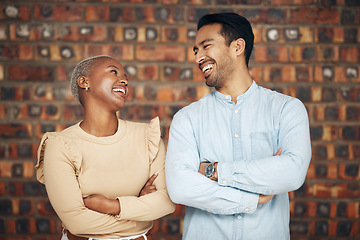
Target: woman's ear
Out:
[83,82]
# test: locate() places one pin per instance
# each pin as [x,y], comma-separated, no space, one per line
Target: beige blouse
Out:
[74,164]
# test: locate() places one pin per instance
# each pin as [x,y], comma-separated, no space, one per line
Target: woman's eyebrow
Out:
[112,66]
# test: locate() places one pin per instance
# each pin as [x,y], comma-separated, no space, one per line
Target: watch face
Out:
[209,170]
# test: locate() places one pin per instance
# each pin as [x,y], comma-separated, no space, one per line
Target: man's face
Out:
[213,55]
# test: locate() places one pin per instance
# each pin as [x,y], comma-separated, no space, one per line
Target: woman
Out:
[104,176]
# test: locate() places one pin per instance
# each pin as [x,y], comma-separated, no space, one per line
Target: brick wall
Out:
[305,48]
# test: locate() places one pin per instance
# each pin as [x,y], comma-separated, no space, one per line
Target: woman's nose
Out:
[124,81]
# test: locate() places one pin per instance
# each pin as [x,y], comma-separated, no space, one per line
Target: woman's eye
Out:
[114,71]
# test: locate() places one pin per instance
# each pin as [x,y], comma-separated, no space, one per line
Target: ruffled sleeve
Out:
[74,157]
[154,138]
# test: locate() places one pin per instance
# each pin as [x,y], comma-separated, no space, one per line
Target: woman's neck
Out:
[100,124]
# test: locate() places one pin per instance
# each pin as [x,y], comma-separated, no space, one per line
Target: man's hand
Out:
[99,203]
[265,198]
[202,169]
[149,187]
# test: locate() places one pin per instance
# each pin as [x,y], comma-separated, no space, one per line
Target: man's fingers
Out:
[278,153]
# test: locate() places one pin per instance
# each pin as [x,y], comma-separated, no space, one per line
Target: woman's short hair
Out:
[83,68]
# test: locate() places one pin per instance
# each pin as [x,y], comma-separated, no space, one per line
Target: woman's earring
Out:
[87,88]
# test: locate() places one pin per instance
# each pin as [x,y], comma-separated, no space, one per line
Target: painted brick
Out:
[58,12]
[327,53]
[16,93]
[83,33]
[16,131]
[73,112]
[302,53]
[322,171]
[17,52]
[120,52]
[160,53]
[138,34]
[350,16]
[349,133]
[175,35]
[269,54]
[174,73]
[349,171]
[15,12]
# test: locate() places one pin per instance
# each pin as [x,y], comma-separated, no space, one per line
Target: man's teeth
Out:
[119,90]
[207,67]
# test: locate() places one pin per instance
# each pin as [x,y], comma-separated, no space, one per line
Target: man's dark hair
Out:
[233,27]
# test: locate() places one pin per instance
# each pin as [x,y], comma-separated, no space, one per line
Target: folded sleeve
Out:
[157,204]
[276,174]
[187,186]
[57,167]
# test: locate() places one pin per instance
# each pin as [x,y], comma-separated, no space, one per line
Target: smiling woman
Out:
[104,176]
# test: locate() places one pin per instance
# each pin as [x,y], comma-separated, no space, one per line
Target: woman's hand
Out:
[149,187]
[102,204]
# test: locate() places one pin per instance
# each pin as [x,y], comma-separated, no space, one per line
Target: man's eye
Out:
[195,53]
[206,46]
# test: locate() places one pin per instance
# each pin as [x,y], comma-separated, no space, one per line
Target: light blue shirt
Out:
[243,138]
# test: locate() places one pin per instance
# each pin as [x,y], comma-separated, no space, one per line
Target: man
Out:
[234,155]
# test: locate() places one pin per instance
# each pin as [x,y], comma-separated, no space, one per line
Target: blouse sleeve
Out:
[57,167]
[157,204]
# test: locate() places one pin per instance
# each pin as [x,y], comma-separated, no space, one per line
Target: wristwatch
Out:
[210,171]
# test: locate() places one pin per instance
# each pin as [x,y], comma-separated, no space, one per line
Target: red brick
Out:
[302,53]
[18,52]
[314,15]
[290,2]
[120,52]
[30,73]
[160,53]
[3,32]
[97,13]
[5,169]
[44,208]
[2,188]
[58,12]
[350,54]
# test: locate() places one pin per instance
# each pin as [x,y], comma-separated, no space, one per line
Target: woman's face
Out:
[108,84]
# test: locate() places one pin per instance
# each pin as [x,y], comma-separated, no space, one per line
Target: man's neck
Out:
[236,86]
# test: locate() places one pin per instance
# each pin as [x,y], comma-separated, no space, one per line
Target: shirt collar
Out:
[227,98]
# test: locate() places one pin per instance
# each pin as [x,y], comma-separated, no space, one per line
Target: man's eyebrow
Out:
[202,43]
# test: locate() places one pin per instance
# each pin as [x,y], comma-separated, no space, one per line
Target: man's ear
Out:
[83,82]
[239,46]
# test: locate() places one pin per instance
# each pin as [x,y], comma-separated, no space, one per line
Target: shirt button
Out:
[227,97]
[236,135]
[236,111]
[238,217]
[224,182]
[246,209]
